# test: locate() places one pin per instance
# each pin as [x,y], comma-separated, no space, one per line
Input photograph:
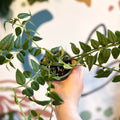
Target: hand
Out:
[70,91]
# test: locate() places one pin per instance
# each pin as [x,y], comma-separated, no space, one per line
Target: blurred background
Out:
[60,22]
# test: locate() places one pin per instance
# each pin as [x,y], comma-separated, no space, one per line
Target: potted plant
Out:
[56,64]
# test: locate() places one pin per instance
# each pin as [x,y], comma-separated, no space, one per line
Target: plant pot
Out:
[60,71]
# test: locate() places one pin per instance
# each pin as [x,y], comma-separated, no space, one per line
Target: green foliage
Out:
[55,61]
[28,91]
[20,78]
[103,56]
[74,48]
[35,66]
[85,47]
[94,43]
[102,39]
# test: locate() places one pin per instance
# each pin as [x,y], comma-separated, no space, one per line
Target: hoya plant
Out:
[55,63]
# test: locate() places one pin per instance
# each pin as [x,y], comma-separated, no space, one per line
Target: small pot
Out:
[60,71]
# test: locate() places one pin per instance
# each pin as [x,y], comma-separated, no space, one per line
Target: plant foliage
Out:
[97,53]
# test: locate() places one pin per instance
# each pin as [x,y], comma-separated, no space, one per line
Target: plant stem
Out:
[28,81]
[43,110]
[22,111]
[94,50]
[51,111]
[107,67]
[22,99]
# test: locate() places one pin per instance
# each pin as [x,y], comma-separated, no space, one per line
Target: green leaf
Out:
[111,36]
[5,42]
[117,33]
[75,50]
[20,57]
[90,62]
[34,113]
[55,96]
[11,44]
[102,39]
[32,50]
[43,103]
[20,78]
[23,52]
[40,118]
[35,66]
[35,85]
[116,79]
[29,117]
[41,80]
[103,56]
[94,43]
[2,59]
[85,47]
[9,55]
[49,55]
[103,73]
[23,15]
[27,74]
[25,45]
[115,52]
[18,42]
[18,31]
[36,38]
[54,50]
[37,52]
[56,77]
[55,102]
[28,91]
[11,64]
[66,66]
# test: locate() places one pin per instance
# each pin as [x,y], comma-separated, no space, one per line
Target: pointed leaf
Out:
[20,57]
[103,73]
[43,103]
[117,33]
[9,56]
[94,43]
[23,15]
[11,44]
[11,64]
[35,85]
[37,52]
[111,36]
[36,38]
[4,43]
[2,59]
[20,78]
[90,62]
[35,66]
[75,50]
[103,56]
[85,47]
[28,91]
[102,39]
[18,42]
[116,79]
[26,44]
[54,50]
[55,96]
[115,52]
[66,66]
[18,31]
[27,74]
[41,80]
[34,113]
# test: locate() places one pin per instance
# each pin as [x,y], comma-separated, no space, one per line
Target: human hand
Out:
[70,91]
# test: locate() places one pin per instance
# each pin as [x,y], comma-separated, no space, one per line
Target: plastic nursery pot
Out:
[60,71]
